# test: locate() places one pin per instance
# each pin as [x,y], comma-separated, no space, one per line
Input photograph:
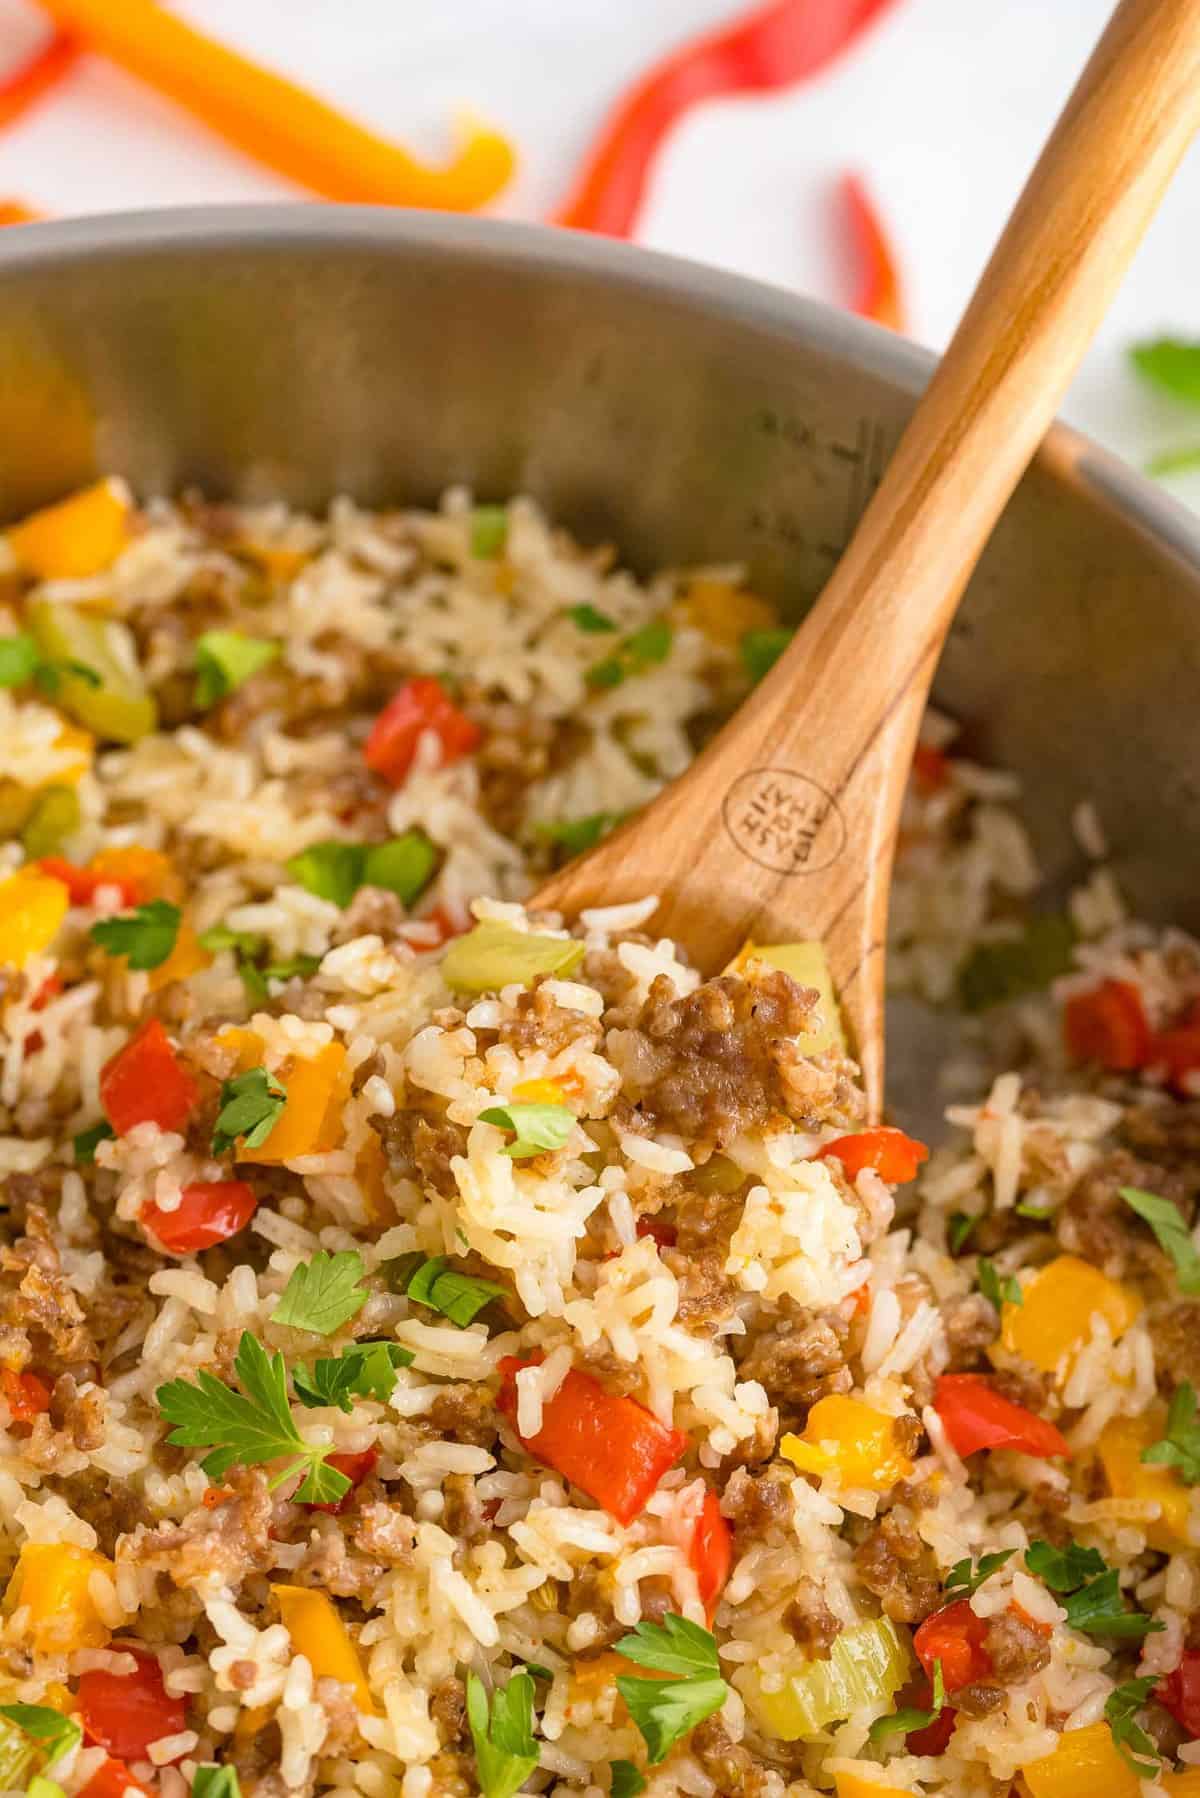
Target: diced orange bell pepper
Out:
[185,959]
[1185,1784]
[311,1121]
[80,536]
[51,1580]
[369,1170]
[146,873]
[846,1437]
[32,906]
[1120,1450]
[312,1621]
[723,611]
[1054,1318]
[1085,1762]
[538,1092]
[853,1785]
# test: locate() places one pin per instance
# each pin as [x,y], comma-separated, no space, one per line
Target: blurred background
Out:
[939,106]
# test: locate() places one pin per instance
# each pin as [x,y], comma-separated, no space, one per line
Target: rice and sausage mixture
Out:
[444,1351]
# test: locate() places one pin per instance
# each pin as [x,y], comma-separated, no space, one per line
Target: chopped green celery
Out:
[808,965]
[118,708]
[866,1667]
[494,954]
[403,865]
[995,973]
[17,1755]
[55,816]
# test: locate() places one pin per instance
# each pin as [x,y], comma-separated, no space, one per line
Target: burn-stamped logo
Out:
[784,821]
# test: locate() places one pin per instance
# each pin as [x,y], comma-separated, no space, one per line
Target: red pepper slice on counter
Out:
[1180,1692]
[84,883]
[420,705]
[710,1555]
[209,1212]
[1108,1026]
[146,1083]
[356,1467]
[976,1416]
[611,1448]
[955,1637]
[37,74]
[125,1712]
[877,295]
[770,47]
[894,1156]
[26,1394]
[112,1779]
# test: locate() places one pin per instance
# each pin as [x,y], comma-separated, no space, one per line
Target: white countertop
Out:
[942,106]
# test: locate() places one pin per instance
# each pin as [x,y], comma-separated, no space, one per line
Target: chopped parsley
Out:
[88,1141]
[505,1750]
[627,1781]
[535,1128]
[323,1294]
[964,1578]
[489,532]
[54,1734]
[21,661]
[960,1227]
[587,618]
[664,1712]
[366,1370]
[145,938]
[910,1717]
[1138,1749]
[1093,1604]
[1064,1569]
[432,1281]
[1180,1447]
[225,660]
[249,1427]
[210,1781]
[250,1107]
[760,650]
[331,870]
[1000,1290]
[1172,1233]
[644,649]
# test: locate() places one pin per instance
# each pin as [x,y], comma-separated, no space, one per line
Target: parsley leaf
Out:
[666,1710]
[322,1294]
[577,834]
[587,618]
[1171,364]
[627,1782]
[963,1579]
[1180,1447]
[248,1427]
[1063,1570]
[672,1646]
[54,1734]
[225,660]
[644,649]
[909,1717]
[220,936]
[402,866]
[760,650]
[1138,1750]
[535,1127]
[302,965]
[335,870]
[210,1781]
[250,1107]
[367,1370]
[88,1141]
[1172,1233]
[20,659]
[460,1297]
[959,1229]
[1094,1605]
[332,870]
[489,532]
[505,1751]
[146,938]
[1006,1291]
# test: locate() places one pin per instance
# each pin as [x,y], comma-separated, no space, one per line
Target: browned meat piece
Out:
[386,1533]
[1096,1223]
[809,1619]
[1175,1333]
[448,1708]
[329,1565]
[896,1565]
[337,1700]
[754,1503]
[1167,1133]
[620,1378]
[373,911]
[228,1541]
[422,1148]
[41,1303]
[464,1514]
[78,1409]
[541,1023]
[971,1323]
[1024,1385]
[1016,1648]
[725,1059]
[465,1413]
[706,1220]
[759,1447]
[706,1297]
[452,1776]
[724,1760]
[978,1700]
[799,1363]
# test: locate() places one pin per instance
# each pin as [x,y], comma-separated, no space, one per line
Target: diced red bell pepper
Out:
[447,924]
[84,883]
[1178,1049]
[146,1083]
[955,1637]
[976,1416]
[50,988]
[125,1712]
[209,1212]
[1180,1692]
[934,1738]
[611,1448]
[420,705]
[894,1156]
[26,1394]
[931,770]
[112,1779]
[1108,1025]
[356,1467]
[711,1553]
[665,1235]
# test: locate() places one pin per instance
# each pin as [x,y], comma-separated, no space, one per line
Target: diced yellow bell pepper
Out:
[723,610]
[185,959]
[1120,1449]
[1085,1764]
[538,1092]
[51,1579]
[866,1666]
[853,1785]
[1054,1318]
[318,1633]
[846,1437]
[80,536]
[147,869]
[32,906]
[1182,1785]
[311,1121]
[808,965]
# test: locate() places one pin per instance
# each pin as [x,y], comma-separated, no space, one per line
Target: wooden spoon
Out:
[785,826]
